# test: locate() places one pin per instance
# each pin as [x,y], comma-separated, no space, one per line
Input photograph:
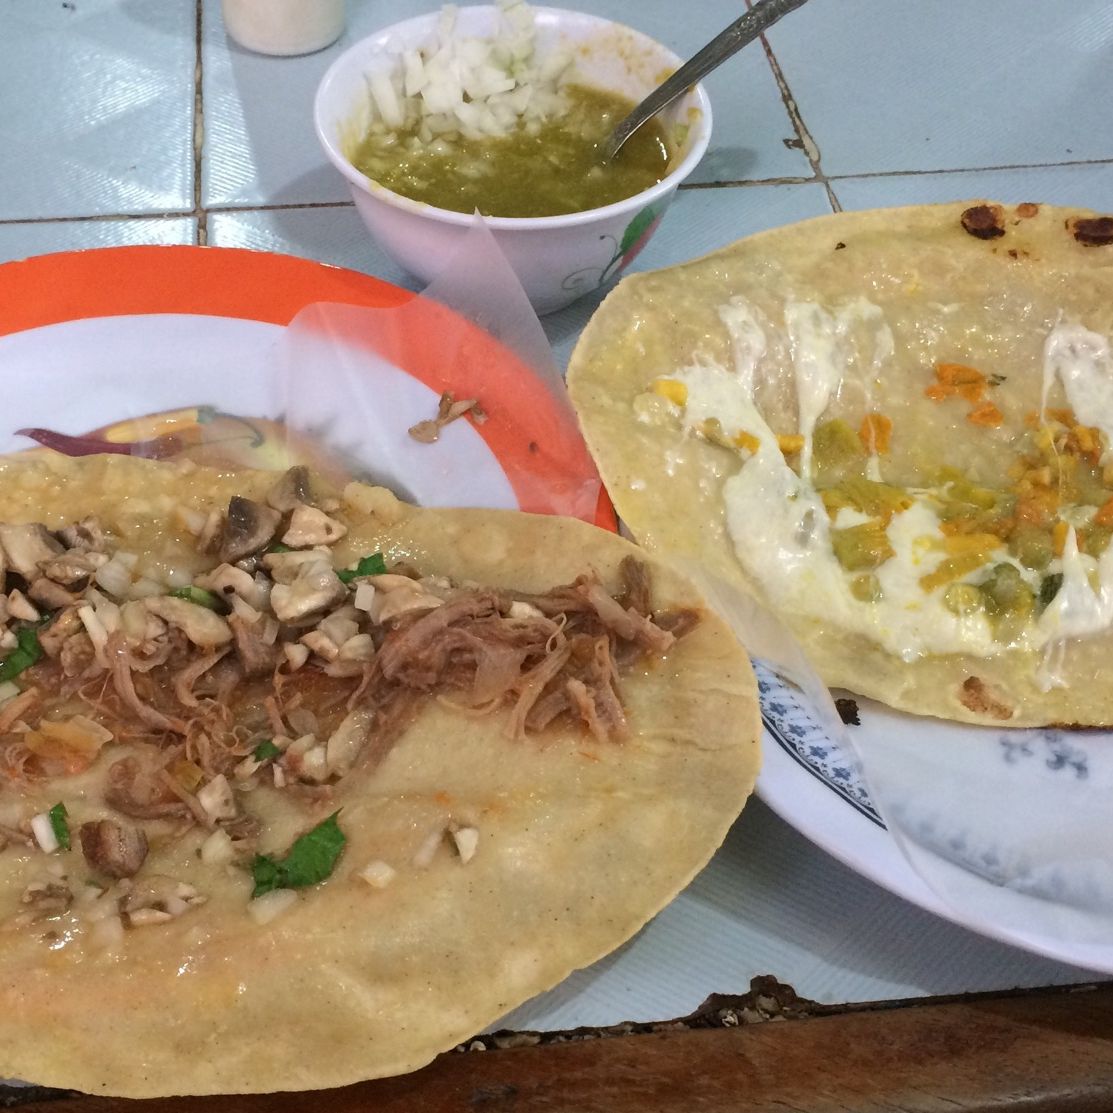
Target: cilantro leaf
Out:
[59,825]
[266,750]
[267,874]
[278,547]
[311,859]
[27,652]
[372,565]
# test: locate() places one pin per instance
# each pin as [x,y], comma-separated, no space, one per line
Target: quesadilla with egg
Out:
[302,788]
[894,428]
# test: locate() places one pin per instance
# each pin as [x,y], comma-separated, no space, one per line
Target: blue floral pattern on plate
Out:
[791,723]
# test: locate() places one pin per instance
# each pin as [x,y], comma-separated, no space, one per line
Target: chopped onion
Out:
[43,830]
[8,690]
[148,917]
[378,874]
[338,629]
[456,84]
[192,520]
[467,842]
[19,606]
[88,893]
[102,907]
[98,635]
[217,799]
[178,577]
[244,610]
[365,596]
[361,647]
[314,764]
[217,849]
[427,851]
[114,577]
[144,588]
[108,932]
[270,905]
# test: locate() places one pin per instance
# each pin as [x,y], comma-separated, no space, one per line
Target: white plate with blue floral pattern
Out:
[1002,831]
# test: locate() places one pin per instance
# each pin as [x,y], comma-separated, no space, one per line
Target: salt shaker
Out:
[284,26]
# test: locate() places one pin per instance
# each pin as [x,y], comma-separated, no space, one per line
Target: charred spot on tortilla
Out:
[985,222]
[1027,209]
[1096,231]
[840,246]
[848,711]
[979,697]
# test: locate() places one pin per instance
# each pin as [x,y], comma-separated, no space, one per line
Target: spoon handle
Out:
[755,22]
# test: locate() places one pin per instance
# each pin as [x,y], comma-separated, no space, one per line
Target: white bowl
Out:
[556,258]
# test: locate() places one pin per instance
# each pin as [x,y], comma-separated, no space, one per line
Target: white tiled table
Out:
[136,121]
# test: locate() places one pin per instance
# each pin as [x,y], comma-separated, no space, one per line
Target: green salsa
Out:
[542,168]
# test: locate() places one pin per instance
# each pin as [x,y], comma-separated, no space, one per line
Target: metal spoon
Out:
[755,22]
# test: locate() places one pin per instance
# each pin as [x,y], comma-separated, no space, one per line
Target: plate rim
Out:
[435,344]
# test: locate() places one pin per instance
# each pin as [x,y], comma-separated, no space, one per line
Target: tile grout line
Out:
[742,183]
[809,146]
[199,131]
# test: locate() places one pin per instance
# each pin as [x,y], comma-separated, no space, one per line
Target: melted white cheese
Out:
[1082,362]
[818,362]
[747,340]
[1077,608]
[781,529]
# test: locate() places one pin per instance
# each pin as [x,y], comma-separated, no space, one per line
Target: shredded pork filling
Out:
[273,666]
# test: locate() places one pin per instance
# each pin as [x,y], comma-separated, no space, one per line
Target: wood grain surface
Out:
[1044,1052]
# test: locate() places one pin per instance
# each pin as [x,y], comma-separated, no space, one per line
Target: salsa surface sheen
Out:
[542,168]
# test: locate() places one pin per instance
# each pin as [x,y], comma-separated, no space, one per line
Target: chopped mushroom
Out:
[52,595]
[248,528]
[20,607]
[291,489]
[114,849]
[227,580]
[44,899]
[203,627]
[158,900]
[315,588]
[28,546]
[85,536]
[257,657]
[74,569]
[310,526]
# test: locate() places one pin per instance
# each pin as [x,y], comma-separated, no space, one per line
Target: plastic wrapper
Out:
[1008,828]
[344,385]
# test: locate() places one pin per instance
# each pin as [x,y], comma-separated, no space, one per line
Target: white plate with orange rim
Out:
[158,350]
